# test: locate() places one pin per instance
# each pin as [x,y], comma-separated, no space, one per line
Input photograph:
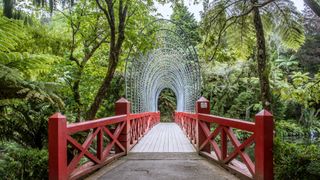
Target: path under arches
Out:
[165,137]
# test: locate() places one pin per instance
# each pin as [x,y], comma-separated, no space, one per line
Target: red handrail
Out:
[106,139]
[203,129]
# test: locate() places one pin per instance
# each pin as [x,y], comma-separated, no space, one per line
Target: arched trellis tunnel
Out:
[172,63]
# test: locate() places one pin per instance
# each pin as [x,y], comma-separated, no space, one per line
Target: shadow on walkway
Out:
[162,166]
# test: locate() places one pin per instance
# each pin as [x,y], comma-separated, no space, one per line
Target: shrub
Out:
[288,128]
[294,161]
[19,163]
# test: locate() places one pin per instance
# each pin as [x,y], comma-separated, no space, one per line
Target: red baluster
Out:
[224,145]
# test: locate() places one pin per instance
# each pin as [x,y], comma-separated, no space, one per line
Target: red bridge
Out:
[77,150]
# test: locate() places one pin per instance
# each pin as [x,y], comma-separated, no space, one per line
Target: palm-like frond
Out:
[227,25]
[18,70]
[282,18]
[26,124]
[10,34]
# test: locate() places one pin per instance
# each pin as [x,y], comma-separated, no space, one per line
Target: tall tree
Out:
[118,14]
[109,8]
[87,34]
[8,8]
[311,21]
[261,56]
[314,5]
[10,11]
[186,21]
[26,101]
[240,22]
[308,55]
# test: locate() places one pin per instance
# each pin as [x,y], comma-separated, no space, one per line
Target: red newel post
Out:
[264,144]
[203,107]
[57,147]
[123,107]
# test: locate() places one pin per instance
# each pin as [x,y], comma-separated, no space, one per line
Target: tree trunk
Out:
[314,6]
[115,49]
[263,70]
[8,8]
[76,94]
[91,113]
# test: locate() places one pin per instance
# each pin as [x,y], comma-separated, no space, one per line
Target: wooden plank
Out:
[164,137]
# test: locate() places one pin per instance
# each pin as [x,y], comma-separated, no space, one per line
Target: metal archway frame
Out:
[173,64]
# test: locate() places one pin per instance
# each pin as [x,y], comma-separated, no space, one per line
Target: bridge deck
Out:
[164,153]
[164,137]
[162,166]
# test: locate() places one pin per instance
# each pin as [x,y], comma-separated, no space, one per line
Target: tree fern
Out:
[19,70]
[241,38]
[10,34]
[289,26]
[26,123]
[227,25]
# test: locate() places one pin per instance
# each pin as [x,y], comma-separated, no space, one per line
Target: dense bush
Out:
[20,163]
[289,128]
[294,161]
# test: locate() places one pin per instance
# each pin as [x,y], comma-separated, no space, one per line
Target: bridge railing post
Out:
[57,147]
[203,107]
[122,107]
[264,144]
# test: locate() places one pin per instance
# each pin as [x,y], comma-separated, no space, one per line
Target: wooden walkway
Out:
[164,137]
[164,153]
[162,166]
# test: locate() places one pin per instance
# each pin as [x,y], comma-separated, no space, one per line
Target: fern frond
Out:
[286,22]
[11,102]
[14,87]
[10,34]
[241,37]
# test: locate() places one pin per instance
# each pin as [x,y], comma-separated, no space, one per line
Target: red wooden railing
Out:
[214,138]
[80,148]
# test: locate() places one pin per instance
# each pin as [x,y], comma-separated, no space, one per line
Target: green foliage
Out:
[9,34]
[310,119]
[289,27]
[244,101]
[227,27]
[19,69]
[21,163]
[289,128]
[309,54]
[311,22]
[167,104]
[187,25]
[296,161]
[26,123]
[26,101]
[303,89]
[232,89]
[116,91]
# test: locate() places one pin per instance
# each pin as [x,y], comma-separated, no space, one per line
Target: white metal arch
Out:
[172,64]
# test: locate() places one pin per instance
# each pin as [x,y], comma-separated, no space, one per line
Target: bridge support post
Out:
[203,107]
[57,147]
[122,107]
[264,145]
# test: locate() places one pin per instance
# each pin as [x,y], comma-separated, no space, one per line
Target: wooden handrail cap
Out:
[202,99]
[122,100]
[264,113]
[57,115]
